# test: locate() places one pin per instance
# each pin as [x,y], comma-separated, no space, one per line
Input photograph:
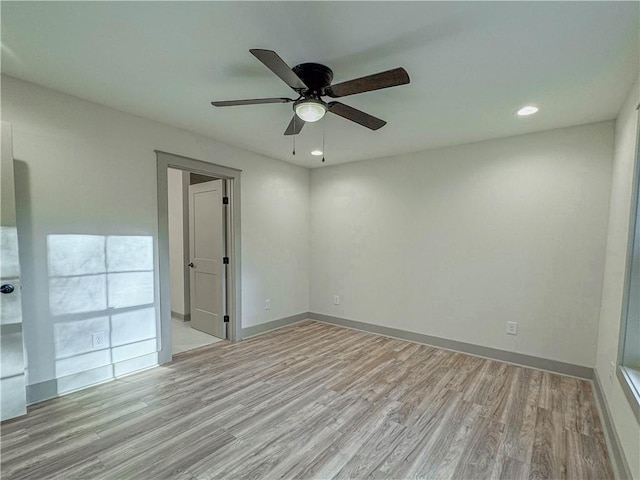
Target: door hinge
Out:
[225,260]
[225,200]
[226,319]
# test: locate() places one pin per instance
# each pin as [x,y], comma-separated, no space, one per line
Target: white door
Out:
[12,382]
[206,250]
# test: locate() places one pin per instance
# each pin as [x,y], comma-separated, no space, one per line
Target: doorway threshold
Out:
[186,338]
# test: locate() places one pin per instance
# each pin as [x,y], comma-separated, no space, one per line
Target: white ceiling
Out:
[472,64]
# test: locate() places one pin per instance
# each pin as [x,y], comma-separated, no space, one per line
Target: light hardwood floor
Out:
[316,401]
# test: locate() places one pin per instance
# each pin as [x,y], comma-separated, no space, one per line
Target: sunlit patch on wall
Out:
[11,309]
[12,360]
[76,255]
[101,285]
[133,350]
[130,289]
[133,326]
[129,254]
[9,267]
[9,270]
[71,338]
[90,273]
[77,294]
[80,363]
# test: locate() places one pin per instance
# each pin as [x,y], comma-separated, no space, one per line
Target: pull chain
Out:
[324,130]
[294,136]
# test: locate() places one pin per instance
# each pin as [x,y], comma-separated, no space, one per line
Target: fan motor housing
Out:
[315,76]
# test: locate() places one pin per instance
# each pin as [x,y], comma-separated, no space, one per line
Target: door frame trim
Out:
[167,160]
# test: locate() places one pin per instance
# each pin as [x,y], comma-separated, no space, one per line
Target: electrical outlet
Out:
[98,340]
[336,299]
[267,304]
[512,328]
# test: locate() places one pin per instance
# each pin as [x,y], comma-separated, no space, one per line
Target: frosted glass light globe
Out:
[310,110]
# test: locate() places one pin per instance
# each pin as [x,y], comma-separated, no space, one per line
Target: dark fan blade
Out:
[295,125]
[356,115]
[377,81]
[278,66]
[253,101]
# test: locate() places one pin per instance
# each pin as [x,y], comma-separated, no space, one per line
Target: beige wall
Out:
[88,172]
[456,242]
[451,243]
[626,425]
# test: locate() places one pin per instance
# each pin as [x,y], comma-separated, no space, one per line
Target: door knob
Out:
[7,288]
[191,265]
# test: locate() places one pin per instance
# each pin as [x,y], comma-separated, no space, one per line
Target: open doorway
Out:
[198,246]
[197,254]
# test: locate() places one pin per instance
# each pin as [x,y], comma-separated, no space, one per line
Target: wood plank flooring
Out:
[315,401]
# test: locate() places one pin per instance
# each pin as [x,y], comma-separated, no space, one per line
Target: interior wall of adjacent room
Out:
[626,130]
[180,301]
[91,170]
[456,242]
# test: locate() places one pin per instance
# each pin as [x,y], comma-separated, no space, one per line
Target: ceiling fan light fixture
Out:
[310,110]
[311,82]
[316,153]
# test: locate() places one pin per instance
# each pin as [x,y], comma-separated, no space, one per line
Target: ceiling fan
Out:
[312,81]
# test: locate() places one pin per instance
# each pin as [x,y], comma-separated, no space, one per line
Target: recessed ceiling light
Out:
[528,110]
[316,153]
